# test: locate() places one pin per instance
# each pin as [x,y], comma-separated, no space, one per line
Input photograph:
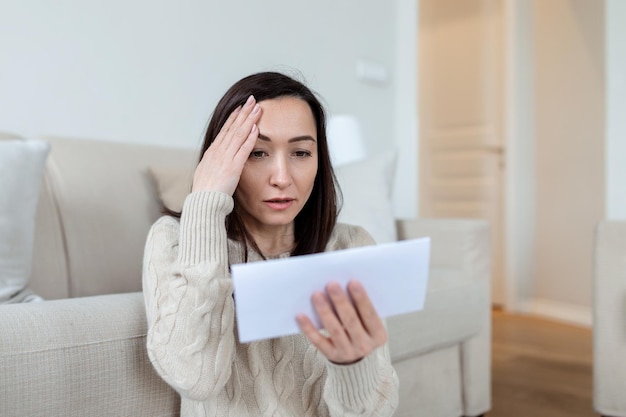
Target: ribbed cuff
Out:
[203,228]
[355,384]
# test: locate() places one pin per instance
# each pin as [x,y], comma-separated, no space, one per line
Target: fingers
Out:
[332,322]
[370,319]
[229,122]
[349,323]
[242,154]
[236,131]
[315,337]
[354,327]
[222,163]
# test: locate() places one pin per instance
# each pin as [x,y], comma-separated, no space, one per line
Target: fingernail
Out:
[318,299]
[256,109]
[250,99]
[334,288]
[356,287]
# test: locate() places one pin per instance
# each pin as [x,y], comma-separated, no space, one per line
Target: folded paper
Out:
[269,294]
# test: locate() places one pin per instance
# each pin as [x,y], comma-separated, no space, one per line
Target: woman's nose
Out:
[280,176]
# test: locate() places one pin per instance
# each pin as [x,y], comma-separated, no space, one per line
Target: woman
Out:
[264,188]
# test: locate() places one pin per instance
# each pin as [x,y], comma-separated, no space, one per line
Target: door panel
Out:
[461,144]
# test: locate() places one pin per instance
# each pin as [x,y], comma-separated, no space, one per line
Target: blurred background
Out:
[509,110]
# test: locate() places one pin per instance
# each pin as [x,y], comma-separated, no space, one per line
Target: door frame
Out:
[518,194]
[519,188]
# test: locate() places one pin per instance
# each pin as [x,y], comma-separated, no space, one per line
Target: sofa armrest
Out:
[458,303]
[80,357]
[458,297]
[456,243]
[609,318]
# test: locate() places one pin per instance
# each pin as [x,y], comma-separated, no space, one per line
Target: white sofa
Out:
[82,353]
[609,319]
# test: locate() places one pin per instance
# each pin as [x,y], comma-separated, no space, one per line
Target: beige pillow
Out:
[21,170]
[173,185]
[366,187]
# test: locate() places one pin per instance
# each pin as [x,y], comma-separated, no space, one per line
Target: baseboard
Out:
[557,310]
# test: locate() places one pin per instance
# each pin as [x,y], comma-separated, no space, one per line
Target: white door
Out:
[460,112]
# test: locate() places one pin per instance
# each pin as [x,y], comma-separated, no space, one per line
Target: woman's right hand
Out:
[222,163]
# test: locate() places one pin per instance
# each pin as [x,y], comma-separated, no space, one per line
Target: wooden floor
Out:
[540,368]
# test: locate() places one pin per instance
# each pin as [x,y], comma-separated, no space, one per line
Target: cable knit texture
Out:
[192,339]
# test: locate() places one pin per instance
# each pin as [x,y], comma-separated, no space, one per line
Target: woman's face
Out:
[278,177]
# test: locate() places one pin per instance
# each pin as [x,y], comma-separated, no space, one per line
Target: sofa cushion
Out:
[365,185]
[80,357]
[21,169]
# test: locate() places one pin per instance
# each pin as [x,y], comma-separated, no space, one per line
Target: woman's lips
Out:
[279,203]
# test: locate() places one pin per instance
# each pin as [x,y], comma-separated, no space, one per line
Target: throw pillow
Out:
[366,187]
[21,169]
[173,185]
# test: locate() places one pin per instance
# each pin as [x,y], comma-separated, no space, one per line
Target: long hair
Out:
[316,221]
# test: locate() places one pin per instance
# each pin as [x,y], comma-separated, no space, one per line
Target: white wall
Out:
[569,97]
[405,108]
[615,49]
[151,71]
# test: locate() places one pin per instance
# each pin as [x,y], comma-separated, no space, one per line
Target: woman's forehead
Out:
[286,118]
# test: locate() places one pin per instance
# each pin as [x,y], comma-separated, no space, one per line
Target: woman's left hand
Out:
[355,329]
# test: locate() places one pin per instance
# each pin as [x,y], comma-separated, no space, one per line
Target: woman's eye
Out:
[257,154]
[302,154]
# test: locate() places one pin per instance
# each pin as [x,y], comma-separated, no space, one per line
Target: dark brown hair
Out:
[316,221]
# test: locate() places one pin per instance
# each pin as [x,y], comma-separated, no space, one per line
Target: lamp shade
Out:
[345,140]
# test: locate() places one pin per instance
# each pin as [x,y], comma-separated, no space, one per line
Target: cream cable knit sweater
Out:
[192,336]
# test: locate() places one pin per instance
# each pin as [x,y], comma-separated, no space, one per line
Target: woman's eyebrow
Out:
[301,138]
[294,139]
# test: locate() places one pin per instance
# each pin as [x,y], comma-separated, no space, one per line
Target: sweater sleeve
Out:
[188,297]
[370,386]
[366,388]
